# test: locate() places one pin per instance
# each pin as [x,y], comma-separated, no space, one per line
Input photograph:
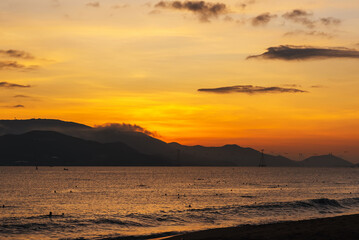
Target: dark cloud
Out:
[328,21]
[93,4]
[123,127]
[263,19]
[21,96]
[310,33]
[12,85]
[300,16]
[287,52]
[11,65]
[203,9]
[16,54]
[15,106]
[250,89]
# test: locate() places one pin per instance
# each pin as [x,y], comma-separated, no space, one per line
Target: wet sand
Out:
[333,228]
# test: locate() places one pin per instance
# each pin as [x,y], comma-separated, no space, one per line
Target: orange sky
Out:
[142,62]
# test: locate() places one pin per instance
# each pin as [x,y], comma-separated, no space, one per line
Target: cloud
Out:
[11,65]
[330,21]
[317,86]
[154,12]
[250,89]
[263,19]
[245,4]
[291,85]
[15,106]
[300,16]
[228,19]
[93,4]
[12,85]
[310,33]
[288,53]
[16,54]
[203,9]
[21,96]
[123,127]
[119,6]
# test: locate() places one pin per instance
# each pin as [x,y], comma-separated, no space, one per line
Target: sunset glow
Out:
[143,62]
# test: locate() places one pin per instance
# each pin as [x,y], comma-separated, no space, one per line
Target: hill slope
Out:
[52,148]
[325,161]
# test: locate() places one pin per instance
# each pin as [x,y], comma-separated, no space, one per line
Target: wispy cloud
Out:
[300,16]
[12,85]
[328,21]
[245,4]
[93,4]
[263,19]
[14,106]
[119,6]
[204,10]
[11,65]
[309,33]
[21,96]
[288,52]
[317,86]
[16,54]
[18,106]
[250,89]
[306,18]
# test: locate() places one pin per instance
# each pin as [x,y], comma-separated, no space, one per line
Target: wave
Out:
[208,216]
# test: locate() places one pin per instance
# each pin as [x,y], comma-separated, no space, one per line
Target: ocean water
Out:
[149,202]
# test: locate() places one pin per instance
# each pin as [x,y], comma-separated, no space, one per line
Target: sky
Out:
[278,75]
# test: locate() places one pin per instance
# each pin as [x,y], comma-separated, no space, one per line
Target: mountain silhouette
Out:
[325,160]
[53,148]
[78,144]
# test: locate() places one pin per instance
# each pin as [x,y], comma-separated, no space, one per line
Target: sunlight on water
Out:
[110,202]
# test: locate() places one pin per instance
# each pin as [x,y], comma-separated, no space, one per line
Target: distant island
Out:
[51,142]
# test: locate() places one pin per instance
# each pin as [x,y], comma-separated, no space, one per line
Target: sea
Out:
[154,202]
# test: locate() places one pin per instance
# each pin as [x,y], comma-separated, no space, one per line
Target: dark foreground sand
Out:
[338,228]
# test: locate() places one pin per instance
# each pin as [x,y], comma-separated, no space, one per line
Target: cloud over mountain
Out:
[288,52]
[250,89]
[204,10]
[123,127]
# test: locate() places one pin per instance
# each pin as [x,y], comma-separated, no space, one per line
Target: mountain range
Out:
[59,143]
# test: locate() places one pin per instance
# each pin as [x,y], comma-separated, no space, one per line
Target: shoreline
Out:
[345,227]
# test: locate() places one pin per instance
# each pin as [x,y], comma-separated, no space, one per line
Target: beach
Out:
[341,227]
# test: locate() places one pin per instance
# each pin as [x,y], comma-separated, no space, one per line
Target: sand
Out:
[338,228]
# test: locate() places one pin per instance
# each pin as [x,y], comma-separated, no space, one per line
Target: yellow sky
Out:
[132,61]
